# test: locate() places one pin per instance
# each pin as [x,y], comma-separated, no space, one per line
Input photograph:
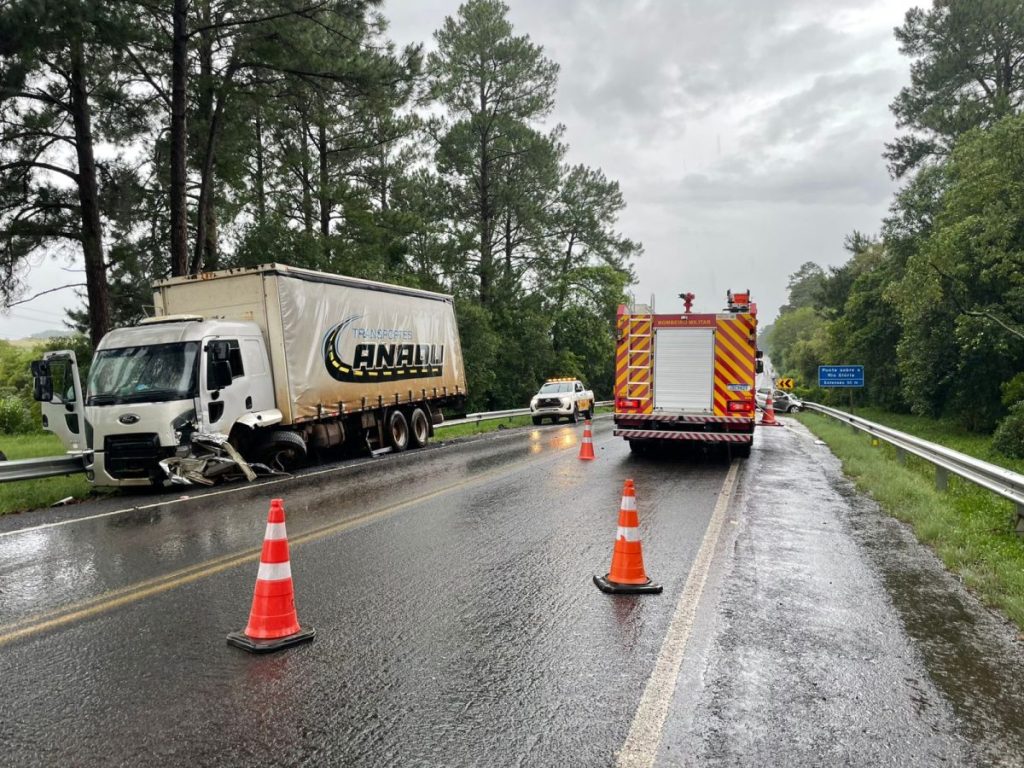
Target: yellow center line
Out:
[126,595]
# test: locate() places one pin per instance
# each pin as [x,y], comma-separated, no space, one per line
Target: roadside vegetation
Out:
[932,305]
[211,134]
[969,528]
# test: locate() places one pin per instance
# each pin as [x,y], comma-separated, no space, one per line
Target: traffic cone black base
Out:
[650,588]
[253,645]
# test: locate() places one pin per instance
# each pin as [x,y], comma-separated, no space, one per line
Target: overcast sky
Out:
[746,135]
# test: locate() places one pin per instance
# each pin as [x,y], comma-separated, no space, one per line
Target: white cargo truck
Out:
[256,366]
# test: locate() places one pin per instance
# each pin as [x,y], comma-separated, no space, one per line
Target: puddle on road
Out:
[970,653]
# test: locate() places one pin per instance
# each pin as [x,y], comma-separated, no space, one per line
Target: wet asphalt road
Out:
[451,592]
[458,626]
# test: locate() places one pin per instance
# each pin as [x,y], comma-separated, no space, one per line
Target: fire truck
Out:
[687,377]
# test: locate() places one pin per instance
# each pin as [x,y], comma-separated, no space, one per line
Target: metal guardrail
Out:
[47,466]
[475,418]
[1009,485]
[69,464]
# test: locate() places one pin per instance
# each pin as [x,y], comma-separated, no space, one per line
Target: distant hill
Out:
[50,334]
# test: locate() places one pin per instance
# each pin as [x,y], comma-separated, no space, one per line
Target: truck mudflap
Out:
[211,458]
[703,437]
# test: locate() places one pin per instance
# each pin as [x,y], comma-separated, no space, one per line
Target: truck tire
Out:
[742,451]
[536,421]
[419,426]
[575,418]
[282,450]
[398,431]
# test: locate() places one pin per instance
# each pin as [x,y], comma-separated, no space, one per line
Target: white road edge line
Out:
[641,746]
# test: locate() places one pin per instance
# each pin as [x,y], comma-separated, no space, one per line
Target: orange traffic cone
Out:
[273,622]
[768,419]
[587,446]
[627,575]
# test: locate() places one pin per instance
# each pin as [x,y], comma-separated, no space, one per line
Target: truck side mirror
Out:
[220,374]
[42,383]
[759,366]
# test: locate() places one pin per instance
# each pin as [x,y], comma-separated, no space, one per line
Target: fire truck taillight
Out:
[741,406]
[626,404]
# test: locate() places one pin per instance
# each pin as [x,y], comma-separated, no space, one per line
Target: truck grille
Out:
[131,455]
[549,402]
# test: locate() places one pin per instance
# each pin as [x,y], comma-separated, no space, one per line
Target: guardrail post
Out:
[1020,519]
[941,478]
[901,456]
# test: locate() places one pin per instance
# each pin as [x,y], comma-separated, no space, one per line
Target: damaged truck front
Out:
[243,371]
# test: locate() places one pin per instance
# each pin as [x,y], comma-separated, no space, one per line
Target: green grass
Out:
[971,529]
[32,494]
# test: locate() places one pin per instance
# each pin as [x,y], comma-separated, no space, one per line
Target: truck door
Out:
[58,388]
[225,396]
[684,369]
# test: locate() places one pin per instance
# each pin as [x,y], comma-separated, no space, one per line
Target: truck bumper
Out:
[696,437]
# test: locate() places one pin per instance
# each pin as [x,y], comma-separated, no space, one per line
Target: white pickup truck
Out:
[562,398]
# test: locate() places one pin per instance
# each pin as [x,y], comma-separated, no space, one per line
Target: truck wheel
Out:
[398,431]
[282,450]
[742,451]
[536,421]
[575,418]
[637,446]
[420,428]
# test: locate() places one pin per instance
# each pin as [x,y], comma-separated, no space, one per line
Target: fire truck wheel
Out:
[420,426]
[398,431]
[742,451]
[637,447]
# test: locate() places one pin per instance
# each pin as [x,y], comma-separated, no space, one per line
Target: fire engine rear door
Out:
[684,369]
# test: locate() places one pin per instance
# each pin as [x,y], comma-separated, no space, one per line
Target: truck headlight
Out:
[566,402]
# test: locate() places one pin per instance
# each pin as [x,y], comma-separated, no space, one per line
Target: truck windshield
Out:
[153,373]
[555,386]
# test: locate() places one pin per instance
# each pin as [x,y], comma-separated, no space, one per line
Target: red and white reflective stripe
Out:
[629,534]
[664,434]
[629,503]
[275,532]
[274,571]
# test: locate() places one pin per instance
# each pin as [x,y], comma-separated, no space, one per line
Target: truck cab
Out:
[150,388]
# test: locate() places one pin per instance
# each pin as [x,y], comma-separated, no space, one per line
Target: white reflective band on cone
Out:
[629,503]
[275,532]
[629,534]
[274,571]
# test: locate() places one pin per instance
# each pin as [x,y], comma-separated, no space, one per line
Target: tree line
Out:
[162,138]
[931,305]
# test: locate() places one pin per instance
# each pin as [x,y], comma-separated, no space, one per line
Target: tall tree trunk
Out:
[206,227]
[509,247]
[325,190]
[306,172]
[179,75]
[88,197]
[486,266]
[261,181]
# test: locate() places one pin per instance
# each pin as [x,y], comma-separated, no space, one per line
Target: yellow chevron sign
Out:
[785,383]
